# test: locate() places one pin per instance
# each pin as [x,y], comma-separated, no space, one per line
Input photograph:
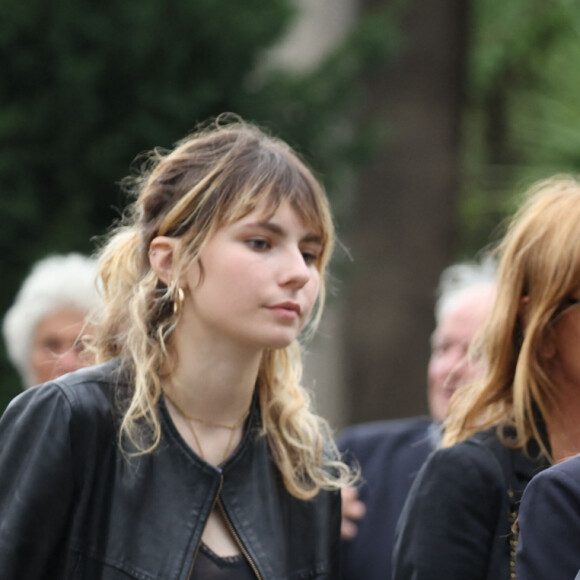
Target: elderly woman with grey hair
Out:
[43,326]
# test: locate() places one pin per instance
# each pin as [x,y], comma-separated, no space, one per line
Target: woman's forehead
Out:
[269,206]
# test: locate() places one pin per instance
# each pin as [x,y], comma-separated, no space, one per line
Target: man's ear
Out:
[162,258]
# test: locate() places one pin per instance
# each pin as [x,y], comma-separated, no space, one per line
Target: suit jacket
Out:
[549,523]
[457,520]
[390,454]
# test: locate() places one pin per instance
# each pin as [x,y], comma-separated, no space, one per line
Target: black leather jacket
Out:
[73,506]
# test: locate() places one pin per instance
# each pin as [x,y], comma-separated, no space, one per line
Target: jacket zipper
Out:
[215,500]
[238,540]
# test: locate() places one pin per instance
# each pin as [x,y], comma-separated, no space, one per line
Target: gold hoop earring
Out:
[178,299]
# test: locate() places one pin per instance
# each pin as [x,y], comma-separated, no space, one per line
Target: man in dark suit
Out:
[390,453]
[549,525]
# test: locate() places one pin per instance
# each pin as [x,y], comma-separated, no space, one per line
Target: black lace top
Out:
[210,566]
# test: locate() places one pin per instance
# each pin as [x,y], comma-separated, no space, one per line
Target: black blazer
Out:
[549,523]
[456,523]
[390,454]
[73,506]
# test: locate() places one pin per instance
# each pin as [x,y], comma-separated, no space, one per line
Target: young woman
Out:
[191,451]
[458,520]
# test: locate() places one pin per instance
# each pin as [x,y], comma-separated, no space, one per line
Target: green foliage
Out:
[313,110]
[522,116]
[85,87]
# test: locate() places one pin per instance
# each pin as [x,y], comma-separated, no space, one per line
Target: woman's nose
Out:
[295,270]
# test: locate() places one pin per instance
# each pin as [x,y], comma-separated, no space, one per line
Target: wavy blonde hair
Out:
[539,269]
[213,177]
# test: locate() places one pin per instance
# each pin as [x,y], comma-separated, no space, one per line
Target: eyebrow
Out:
[276,229]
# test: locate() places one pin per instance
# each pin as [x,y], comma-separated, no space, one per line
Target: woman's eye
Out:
[310,258]
[259,244]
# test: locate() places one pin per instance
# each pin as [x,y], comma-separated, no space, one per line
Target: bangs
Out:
[284,183]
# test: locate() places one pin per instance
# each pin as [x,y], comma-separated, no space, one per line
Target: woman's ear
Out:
[162,258]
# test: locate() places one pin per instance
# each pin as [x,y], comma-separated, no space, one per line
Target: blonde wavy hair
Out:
[213,177]
[538,272]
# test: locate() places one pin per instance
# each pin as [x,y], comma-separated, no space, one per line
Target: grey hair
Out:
[55,282]
[458,279]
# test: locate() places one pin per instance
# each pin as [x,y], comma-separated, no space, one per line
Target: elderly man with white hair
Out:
[390,453]
[43,326]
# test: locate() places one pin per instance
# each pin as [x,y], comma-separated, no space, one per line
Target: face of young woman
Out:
[258,282]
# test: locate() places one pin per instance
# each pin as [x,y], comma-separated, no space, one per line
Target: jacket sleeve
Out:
[450,517]
[36,483]
[549,539]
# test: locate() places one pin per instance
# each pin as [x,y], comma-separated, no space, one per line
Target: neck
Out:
[209,399]
[564,427]
[213,382]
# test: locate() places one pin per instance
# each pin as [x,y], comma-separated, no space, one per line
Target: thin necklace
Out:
[190,420]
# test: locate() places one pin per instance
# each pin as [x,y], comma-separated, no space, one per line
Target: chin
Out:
[276,343]
[279,345]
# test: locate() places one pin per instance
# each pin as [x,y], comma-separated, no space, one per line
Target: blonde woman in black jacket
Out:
[191,452]
[458,520]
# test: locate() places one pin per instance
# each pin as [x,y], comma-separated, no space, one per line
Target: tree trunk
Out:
[404,229]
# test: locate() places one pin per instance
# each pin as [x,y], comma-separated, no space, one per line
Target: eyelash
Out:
[262,244]
[259,244]
[310,258]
